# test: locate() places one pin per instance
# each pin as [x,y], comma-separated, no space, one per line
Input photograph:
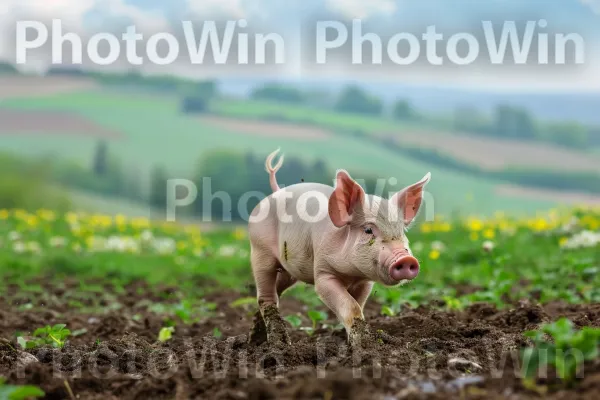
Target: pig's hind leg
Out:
[265,269]
[284,281]
[361,291]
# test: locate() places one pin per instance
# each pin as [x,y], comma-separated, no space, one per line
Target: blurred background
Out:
[510,138]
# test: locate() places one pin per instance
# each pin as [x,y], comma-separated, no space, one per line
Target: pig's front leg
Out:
[346,307]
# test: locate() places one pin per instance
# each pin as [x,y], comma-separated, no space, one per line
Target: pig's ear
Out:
[409,199]
[345,197]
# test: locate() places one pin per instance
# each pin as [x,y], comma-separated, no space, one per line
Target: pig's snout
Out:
[404,268]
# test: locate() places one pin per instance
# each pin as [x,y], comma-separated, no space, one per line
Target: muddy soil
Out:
[420,353]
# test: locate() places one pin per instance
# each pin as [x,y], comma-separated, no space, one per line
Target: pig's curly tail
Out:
[272,170]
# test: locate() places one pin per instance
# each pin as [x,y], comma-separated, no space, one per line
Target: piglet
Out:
[339,239]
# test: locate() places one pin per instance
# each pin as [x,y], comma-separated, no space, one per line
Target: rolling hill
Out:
[152,131]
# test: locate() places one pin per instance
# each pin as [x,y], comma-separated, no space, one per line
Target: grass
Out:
[500,259]
[155,132]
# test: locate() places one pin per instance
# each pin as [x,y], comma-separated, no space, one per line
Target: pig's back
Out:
[291,231]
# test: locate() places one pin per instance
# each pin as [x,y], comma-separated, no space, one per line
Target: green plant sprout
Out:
[55,336]
[567,351]
[14,392]
[166,333]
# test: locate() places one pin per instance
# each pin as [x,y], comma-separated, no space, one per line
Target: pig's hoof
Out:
[275,326]
[277,333]
[279,339]
[258,334]
[360,336]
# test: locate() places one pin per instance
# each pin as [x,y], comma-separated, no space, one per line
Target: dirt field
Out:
[268,129]
[423,353]
[491,154]
[32,86]
[565,197]
[52,122]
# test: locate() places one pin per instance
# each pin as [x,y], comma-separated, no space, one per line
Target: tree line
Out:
[505,121]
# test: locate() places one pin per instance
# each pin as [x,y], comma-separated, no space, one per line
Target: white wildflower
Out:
[488,245]
[227,251]
[437,245]
[13,236]
[570,226]
[164,245]
[122,244]
[19,247]
[582,239]
[146,236]
[417,247]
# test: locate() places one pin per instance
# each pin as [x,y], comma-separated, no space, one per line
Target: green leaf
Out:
[22,342]
[294,320]
[530,362]
[166,333]
[385,310]
[25,392]
[41,331]
[217,333]
[243,302]
[317,316]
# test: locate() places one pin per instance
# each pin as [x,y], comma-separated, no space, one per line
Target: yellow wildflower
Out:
[489,233]
[239,233]
[475,225]
[434,254]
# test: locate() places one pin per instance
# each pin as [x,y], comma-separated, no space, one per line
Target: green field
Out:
[78,283]
[309,115]
[156,133]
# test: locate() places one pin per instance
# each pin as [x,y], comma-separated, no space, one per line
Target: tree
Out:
[198,96]
[570,134]
[158,187]
[8,69]
[511,122]
[194,105]
[276,92]
[100,165]
[403,110]
[354,100]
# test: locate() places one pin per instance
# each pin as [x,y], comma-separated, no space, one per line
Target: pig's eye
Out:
[368,230]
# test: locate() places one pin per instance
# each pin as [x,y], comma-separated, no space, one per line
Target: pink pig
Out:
[337,238]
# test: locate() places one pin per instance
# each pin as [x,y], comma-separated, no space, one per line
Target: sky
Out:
[295,21]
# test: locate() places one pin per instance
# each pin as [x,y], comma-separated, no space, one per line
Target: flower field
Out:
[102,278]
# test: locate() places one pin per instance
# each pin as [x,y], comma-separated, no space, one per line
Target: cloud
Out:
[593,4]
[362,8]
[70,11]
[218,8]
[84,17]
[74,12]
[105,11]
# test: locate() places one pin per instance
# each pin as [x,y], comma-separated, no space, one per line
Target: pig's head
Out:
[376,242]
